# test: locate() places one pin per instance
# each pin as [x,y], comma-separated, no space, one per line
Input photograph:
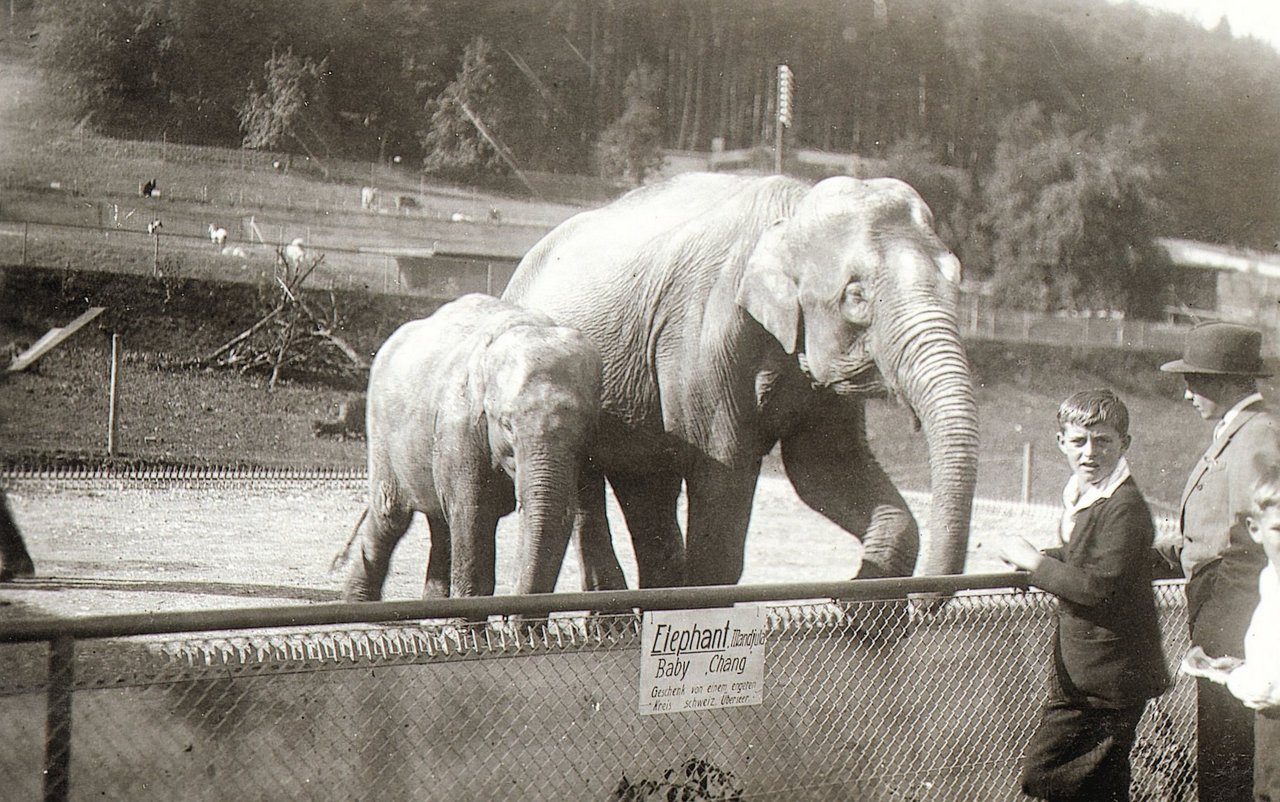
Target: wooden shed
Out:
[444,273]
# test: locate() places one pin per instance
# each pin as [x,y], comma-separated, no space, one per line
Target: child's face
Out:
[1092,452]
[1265,529]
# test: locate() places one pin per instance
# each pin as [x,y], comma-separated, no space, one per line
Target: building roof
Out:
[1206,255]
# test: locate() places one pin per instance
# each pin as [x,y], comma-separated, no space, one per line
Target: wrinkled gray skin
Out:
[709,297]
[477,410]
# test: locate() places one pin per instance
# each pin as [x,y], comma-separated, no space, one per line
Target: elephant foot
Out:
[877,623]
[360,592]
[20,567]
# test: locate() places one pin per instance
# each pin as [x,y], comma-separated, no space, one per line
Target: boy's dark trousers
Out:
[1081,754]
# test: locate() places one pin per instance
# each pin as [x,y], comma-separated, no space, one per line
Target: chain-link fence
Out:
[862,700]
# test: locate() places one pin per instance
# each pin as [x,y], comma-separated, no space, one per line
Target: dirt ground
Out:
[101,548]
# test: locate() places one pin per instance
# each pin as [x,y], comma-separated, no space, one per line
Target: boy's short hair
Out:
[1093,407]
[1266,491]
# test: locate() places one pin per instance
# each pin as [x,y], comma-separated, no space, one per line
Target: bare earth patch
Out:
[102,549]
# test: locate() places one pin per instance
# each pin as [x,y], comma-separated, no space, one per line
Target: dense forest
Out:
[1152,124]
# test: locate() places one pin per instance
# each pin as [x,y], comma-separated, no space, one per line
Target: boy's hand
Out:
[1019,553]
[1215,669]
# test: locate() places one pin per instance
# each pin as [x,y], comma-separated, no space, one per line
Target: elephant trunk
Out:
[546,492]
[932,373]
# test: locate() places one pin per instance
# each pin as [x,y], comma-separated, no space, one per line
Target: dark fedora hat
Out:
[1221,348]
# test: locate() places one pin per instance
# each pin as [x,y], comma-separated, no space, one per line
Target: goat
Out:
[406,202]
[217,235]
[148,189]
[154,227]
[368,197]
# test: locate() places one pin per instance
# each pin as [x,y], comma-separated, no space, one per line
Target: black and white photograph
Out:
[627,400]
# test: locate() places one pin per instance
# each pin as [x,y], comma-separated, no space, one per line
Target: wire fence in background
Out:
[980,319]
[397,709]
[183,248]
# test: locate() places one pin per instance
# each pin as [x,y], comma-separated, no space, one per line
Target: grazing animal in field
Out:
[294,252]
[235,251]
[217,235]
[368,197]
[406,202]
[459,217]
[153,228]
[495,215]
[148,188]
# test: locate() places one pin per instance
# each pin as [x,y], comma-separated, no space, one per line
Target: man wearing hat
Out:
[1221,365]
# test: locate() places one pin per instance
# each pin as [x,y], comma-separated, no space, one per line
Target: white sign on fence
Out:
[701,659]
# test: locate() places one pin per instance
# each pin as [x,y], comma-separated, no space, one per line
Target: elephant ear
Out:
[768,292]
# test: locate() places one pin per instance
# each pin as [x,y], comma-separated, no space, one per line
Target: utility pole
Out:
[786,92]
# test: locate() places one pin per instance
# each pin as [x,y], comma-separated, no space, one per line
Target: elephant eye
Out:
[854,303]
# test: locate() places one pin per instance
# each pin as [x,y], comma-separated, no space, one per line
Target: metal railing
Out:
[872,691]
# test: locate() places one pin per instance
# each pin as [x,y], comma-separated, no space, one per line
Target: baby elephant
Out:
[478,410]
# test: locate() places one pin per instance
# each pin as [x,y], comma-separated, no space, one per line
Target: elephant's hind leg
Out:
[439,559]
[380,531]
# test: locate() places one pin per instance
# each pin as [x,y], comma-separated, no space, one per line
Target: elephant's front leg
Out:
[837,475]
[600,568]
[719,513]
[473,524]
[648,503]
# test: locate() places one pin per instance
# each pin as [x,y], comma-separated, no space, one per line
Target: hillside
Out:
[180,415]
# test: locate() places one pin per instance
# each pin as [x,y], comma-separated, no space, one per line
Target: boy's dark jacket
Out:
[1107,650]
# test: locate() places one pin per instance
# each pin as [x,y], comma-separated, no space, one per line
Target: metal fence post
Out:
[57,741]
[1027,452]
[113,411]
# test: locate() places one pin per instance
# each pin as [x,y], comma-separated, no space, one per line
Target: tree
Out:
[947,190]
[462,140]
[289,107]
[1071,217]
[631,148]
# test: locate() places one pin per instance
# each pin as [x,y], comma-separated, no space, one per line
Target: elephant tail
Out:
[340,559]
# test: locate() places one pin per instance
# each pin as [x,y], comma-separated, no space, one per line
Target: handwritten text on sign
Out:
[701,659]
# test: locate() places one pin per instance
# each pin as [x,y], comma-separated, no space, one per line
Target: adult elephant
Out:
[475,410]
[732,313]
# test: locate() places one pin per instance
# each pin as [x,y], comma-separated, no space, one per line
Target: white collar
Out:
[1231,414]
[1074,499]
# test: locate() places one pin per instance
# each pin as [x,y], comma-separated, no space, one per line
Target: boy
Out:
[1107,654]
[1255,681]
